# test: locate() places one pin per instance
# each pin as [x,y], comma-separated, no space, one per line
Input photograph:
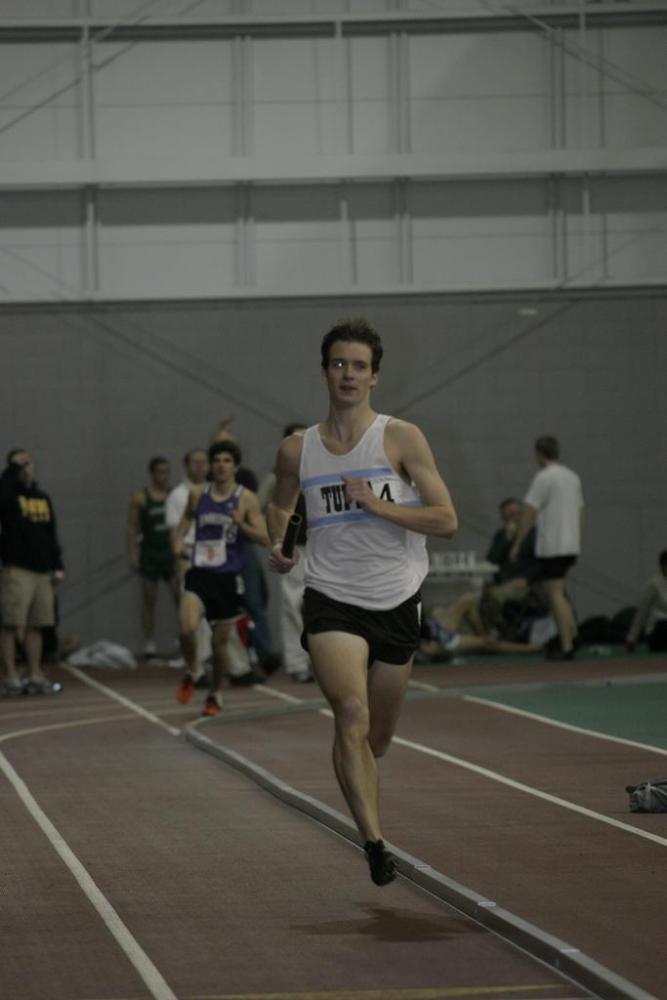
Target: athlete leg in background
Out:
[148,602]
[220,658]
[190,613]
[562,611]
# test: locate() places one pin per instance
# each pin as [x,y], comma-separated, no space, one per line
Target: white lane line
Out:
[110,693]
[157,986]
[273,693]
[422,686]
[511,783]
[564,725]
[61,725]
[529,790]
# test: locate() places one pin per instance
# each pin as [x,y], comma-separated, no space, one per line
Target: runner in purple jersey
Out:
[225,516]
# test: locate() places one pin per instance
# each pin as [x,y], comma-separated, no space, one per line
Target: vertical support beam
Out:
[240,243]
[347,240]
[405,135]
[558,240]
[586,254]
[87,99]
[246,246]
[342,60]
[91,256]
[248,71]
[403,233]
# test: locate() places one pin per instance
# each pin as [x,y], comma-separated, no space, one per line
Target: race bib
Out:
[210,553]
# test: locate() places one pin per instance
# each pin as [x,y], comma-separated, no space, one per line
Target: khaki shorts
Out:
[26,598]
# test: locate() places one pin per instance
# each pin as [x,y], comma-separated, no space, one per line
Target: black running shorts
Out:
[555,567]
[392,636]
[220,593]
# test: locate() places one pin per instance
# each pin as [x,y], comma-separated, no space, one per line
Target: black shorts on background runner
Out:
[220,593]
[392,635]
[554,567]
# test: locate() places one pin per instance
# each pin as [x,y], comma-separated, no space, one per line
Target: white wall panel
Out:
[616,87]
[479,125]
[209,107]
[161,243]
[41,245]
[29,76]
[166,100]
[198,133]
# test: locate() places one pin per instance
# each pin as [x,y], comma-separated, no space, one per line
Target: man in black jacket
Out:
[31,563]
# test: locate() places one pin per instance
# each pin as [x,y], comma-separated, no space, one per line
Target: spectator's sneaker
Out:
[212,705]
[11,688]
[185,689]
[381,863]
[40,685]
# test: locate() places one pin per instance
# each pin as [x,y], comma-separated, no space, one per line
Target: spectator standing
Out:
[292,585]
[31,564]
[149,546]
[554,502]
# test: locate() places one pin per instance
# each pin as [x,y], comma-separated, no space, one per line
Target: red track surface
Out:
[227,892]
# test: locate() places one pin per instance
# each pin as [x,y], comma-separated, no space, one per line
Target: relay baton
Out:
[293,525]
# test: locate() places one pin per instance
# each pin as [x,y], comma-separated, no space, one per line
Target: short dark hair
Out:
[230,447]
[354,331]
[157,460]
[13,452]
[507,501]
[548,447]
[662,559]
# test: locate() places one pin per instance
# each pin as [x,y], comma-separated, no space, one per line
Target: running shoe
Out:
[211,706]
[185,689]
[381,863]
[41,685]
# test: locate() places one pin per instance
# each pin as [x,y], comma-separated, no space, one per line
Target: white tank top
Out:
[351,555]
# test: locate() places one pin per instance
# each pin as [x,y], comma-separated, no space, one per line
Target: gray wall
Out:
[94,392]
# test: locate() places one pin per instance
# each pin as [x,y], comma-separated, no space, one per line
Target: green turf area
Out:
[634,711]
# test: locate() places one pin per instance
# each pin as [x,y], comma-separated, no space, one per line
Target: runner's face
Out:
[349,374]
[223,468]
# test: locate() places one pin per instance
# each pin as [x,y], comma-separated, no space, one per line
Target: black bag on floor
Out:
[649,796]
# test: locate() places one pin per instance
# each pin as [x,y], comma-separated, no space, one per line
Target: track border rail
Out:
[561,956]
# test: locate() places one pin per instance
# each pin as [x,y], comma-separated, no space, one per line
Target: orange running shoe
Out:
[211,706]
[185,689]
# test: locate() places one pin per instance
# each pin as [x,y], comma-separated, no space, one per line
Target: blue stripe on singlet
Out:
[351,515]
[336,477]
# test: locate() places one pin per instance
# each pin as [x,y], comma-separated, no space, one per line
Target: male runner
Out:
[225,515]
[372,493]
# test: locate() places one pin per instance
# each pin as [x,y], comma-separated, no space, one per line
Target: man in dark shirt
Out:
[31,563]
[514,578]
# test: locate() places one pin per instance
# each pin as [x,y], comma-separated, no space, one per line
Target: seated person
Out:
[650,622]
[458,628]
[514,578]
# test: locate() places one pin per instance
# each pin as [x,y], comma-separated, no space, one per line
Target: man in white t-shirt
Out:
[554,502]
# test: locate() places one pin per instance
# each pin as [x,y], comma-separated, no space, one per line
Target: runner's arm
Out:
[409,450]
